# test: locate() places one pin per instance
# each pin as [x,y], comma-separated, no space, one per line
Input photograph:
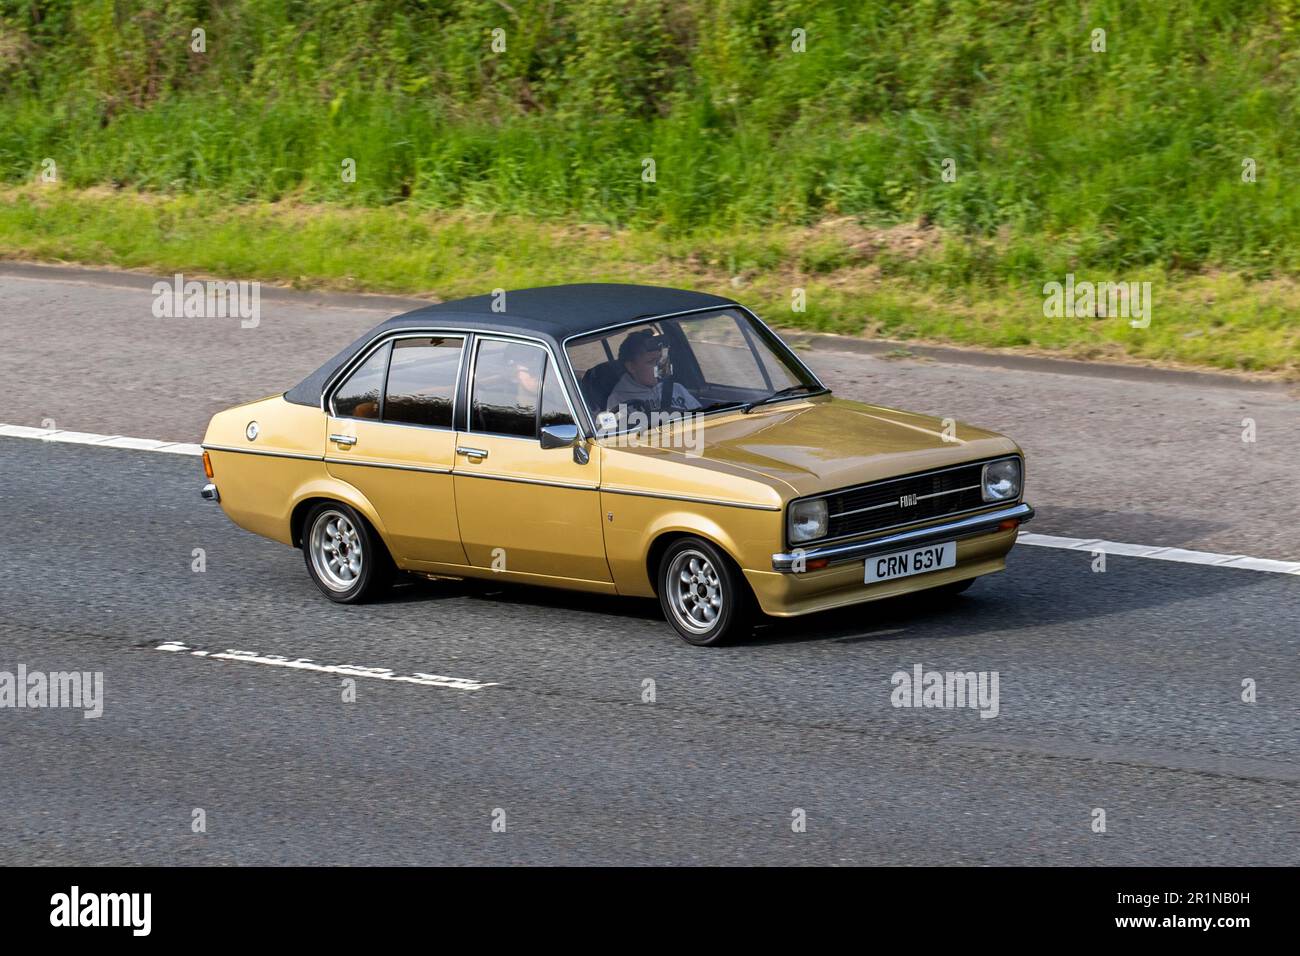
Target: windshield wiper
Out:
[782,393]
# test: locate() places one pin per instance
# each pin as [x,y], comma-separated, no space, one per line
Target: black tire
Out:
[715,606]
[345,558]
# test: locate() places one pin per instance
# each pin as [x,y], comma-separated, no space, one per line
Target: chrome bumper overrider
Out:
[858,550]
[210,493]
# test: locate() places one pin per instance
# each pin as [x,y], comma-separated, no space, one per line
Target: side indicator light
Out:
[207,465]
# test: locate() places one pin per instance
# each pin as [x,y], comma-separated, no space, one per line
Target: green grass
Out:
[1110,160]
[894,283]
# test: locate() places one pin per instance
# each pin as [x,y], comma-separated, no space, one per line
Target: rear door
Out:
[391,436]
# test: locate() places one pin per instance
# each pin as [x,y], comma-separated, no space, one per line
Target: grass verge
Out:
[903,282]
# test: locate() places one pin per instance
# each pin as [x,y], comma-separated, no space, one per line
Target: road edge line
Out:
[1240,562]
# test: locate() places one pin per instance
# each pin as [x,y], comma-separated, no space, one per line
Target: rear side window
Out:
[507,388]
[422,381]
[358,397]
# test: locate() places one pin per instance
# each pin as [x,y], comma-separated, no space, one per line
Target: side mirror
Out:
[559,436]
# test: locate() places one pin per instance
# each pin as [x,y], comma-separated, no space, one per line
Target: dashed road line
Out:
[307,664]
[1237,561]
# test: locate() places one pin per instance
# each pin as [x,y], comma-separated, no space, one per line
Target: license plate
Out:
[901,564]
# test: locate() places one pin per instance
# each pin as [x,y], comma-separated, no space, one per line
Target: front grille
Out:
[887,504]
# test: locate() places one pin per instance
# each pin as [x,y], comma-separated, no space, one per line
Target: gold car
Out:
[614,439]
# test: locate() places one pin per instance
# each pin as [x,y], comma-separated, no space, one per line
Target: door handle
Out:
[471,452]
[348,440]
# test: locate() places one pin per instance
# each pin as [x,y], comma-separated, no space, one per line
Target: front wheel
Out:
[344,555]
[702,593]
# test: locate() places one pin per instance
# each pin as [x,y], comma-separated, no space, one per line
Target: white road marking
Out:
[1161,554]
[108,441]
[347,670]
[1239,561]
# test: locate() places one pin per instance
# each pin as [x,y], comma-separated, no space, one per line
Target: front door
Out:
[524,509]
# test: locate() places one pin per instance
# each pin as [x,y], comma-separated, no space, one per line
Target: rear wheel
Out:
[344,555]
[702,593]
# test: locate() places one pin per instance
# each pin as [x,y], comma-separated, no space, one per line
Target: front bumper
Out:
[982,545]
[833,554]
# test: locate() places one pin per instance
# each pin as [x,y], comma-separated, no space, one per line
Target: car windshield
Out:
[693,363]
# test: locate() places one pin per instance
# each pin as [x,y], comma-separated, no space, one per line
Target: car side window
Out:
[359,396]
[507,388]
[422,381]
[555,410]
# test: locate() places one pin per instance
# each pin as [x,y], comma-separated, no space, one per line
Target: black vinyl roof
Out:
[552,313]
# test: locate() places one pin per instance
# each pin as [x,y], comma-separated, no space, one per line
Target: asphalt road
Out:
[1118,691]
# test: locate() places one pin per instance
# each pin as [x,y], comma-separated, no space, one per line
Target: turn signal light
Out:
[207,465]
[818,563]
[1008,525]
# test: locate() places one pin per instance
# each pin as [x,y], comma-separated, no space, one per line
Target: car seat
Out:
[599,381]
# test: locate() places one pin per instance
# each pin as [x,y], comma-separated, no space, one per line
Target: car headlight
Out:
[1001,480]
[807,520]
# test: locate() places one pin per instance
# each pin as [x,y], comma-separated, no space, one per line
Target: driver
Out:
[640,388]
[523,361]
